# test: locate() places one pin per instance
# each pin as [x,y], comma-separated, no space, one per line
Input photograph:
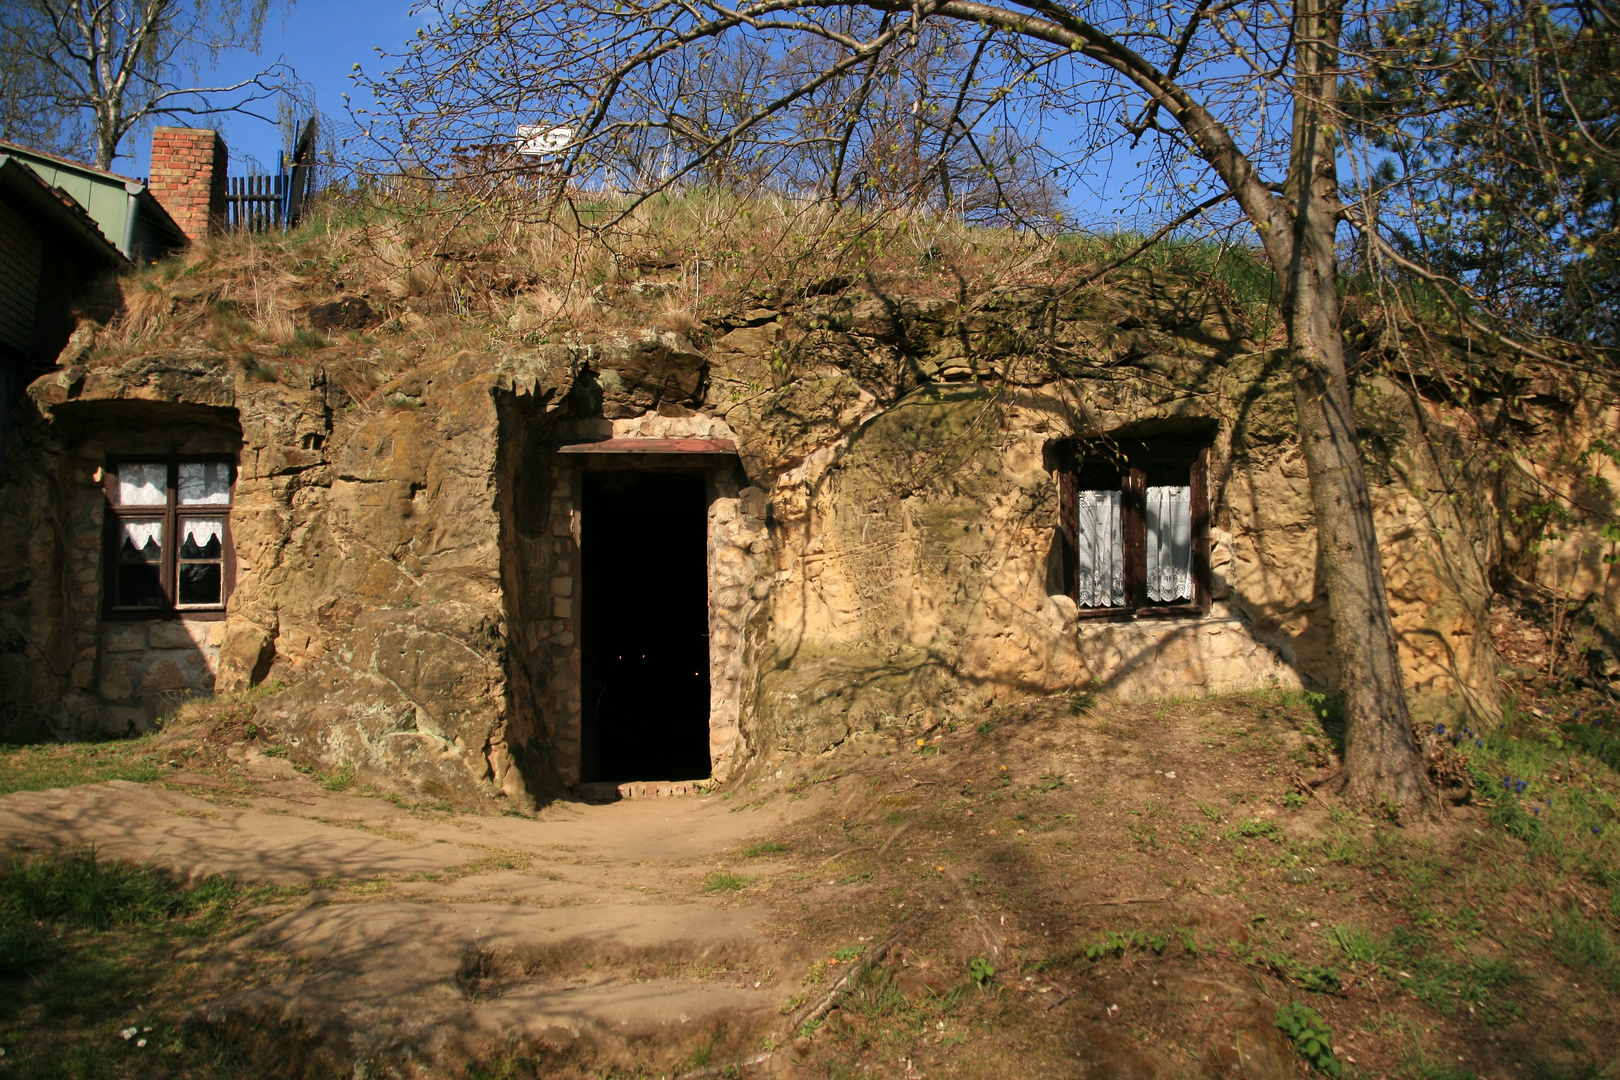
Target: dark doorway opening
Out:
[644,626]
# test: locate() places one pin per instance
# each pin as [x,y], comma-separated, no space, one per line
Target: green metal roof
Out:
[123,209]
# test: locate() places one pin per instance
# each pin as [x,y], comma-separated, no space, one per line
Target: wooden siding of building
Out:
[21,262]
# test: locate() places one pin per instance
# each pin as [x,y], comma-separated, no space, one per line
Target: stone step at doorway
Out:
[606,791]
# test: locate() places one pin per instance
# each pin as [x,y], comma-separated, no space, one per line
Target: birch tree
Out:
[103,68]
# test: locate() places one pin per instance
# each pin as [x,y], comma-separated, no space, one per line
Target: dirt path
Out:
[411,936]
[1070,889]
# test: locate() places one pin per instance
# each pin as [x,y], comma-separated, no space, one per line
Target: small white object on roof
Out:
[536,140]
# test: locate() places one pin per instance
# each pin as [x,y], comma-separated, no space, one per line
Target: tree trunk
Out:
[106,149]
[1383,764]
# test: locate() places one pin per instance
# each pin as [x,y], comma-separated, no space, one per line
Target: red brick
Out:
[185,162]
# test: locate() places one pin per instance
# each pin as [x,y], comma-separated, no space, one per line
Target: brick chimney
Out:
[188,178]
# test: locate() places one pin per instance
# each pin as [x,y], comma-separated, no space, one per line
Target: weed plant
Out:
[720,882]
[1311,1036]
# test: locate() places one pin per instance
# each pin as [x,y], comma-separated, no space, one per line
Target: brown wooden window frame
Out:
[1132,460]
[169,513]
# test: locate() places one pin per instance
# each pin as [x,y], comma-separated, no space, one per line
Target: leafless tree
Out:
[102,68]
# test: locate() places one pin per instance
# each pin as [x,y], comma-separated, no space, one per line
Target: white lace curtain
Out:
[138,534]
[1101,549]
[201,530]
[143,484]
[1169,543]
[1100,546]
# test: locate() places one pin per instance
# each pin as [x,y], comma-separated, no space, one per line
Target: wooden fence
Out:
[262,203]
[256,203]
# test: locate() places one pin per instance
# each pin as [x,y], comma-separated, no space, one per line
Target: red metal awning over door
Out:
[654,446]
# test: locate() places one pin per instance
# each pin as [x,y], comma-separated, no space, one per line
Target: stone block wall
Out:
[555,622]
[189,178]
[85,506]
[740,574]
[1219,652]
[147,666]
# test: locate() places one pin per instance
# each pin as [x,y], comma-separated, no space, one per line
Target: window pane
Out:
[1169,543]
[140,559]
[1100,549]
[199,583]
[201,538]
[205,483]
[143,484]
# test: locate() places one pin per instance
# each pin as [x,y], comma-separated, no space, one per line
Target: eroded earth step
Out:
[262,839]
[594,985]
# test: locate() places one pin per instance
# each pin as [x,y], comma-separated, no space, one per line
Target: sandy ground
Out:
[409,936]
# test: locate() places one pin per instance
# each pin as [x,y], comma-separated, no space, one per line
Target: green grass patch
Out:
[720,882]
[1237,271]
[763,848]
[1254,829]
[1585,943]
[1359,946]
[1549,779]
[1113,945]
[338,780]
[80,889]
[97,987]
[40,768]
[1440,977]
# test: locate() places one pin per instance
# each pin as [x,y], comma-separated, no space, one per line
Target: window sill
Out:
[169,615]
[1177,611]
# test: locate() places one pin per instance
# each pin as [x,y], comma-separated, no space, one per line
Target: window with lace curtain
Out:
[1135,526]
[168,536]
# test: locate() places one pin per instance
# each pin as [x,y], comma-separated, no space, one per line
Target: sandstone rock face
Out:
[883,551]
[377,583]
[417,696]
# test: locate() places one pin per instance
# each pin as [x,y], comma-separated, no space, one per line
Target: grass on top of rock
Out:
[209,735]
[197,731]
[368,289]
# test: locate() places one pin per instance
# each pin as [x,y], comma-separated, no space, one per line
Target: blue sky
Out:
[322,40]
